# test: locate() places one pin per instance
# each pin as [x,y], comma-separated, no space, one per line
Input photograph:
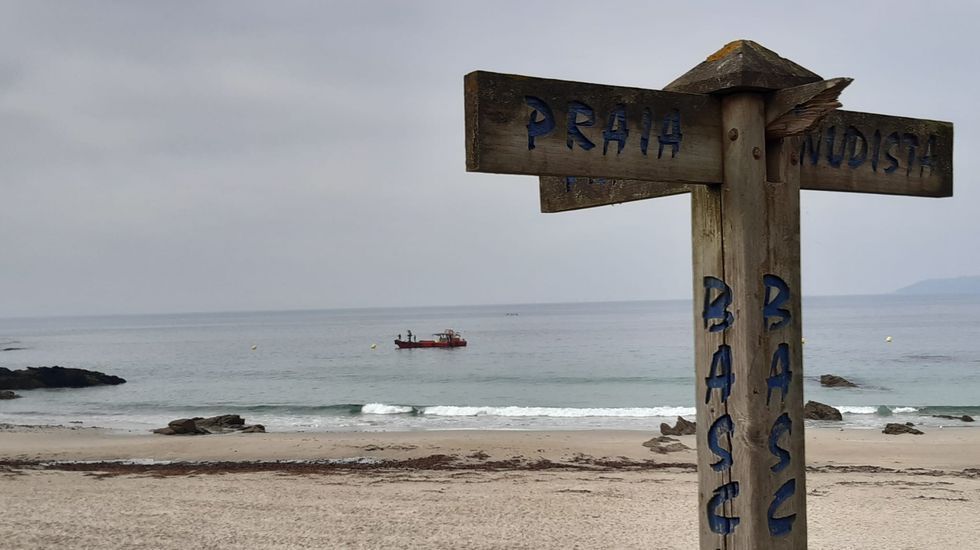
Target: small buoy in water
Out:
[254,347]
[803,340]
[374,346]
[888,338]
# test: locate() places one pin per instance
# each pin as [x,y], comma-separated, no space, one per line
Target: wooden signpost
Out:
[742,132]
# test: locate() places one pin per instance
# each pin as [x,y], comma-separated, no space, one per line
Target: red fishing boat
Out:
[446,339]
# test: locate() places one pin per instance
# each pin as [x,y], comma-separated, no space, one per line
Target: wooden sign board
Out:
[560,194]
[848,151]
[869,153]
[523,125]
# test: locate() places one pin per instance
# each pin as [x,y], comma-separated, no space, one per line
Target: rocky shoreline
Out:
[33,378]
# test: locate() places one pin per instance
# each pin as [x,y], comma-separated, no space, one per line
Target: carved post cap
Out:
[742,65]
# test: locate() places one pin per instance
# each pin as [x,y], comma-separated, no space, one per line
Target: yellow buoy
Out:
[888,338]
[374,346]
[254,347]
[803,340]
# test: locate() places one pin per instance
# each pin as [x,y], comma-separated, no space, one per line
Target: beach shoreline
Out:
[74,487]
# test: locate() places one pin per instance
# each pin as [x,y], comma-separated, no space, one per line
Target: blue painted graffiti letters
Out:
[616,130]
[575,134]
[881,149]
[893,140]
[912,142]
[781,526]
[538,127]
[716,522]
[782,425]
[723,425]
[926,159]
[620,122]
[780,374]
[717,308]
[777,294]
[720,377]
[670,134]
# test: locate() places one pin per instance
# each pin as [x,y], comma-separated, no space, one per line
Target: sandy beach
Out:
[89,488]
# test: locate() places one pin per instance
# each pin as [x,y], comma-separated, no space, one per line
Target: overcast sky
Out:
[203,156]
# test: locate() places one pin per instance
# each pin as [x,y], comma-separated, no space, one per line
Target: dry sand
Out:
[466,489]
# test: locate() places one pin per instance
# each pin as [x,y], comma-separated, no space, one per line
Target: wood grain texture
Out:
[708,261]
[760,237]
[739,66]
[500,109]
[795,110]
[824,164]
[560,194]
[871,153]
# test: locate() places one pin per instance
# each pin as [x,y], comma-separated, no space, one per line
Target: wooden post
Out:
[748,331]
[742,147]
[748,339]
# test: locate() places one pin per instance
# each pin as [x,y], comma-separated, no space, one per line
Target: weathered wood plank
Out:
[710,330]
[871,153]
[523,125]
[559,194]
[848,151]
[795,110]
[760,243]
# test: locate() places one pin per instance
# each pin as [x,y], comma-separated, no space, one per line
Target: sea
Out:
[621,365]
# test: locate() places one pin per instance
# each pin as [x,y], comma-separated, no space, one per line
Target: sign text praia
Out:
[742,132]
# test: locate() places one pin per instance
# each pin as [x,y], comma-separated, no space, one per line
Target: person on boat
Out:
[409,336]
[399,336]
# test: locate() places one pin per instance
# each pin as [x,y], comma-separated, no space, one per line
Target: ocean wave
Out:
[381,408]
[557,412]
[848,409]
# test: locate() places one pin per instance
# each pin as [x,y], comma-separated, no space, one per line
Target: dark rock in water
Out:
[7,394]
[683,427]
[181,426]
[896,429]
[834,381]
[254,429]
[54,377]
[665,444]
[213,425]
[818,411]
[221,423]
[964,418]
[12,349]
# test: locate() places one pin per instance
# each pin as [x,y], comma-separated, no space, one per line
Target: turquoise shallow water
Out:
[555,366]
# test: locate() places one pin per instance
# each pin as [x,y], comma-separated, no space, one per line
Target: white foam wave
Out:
[559,412]
[873,410]
[856,410]
[381,408]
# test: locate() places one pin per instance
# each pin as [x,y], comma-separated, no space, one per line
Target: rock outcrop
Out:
[895,429]
[7,394]
[964,418]
[834,381]
[213,425]
[665,444]
[683,427]
[818,411]
[54,377]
